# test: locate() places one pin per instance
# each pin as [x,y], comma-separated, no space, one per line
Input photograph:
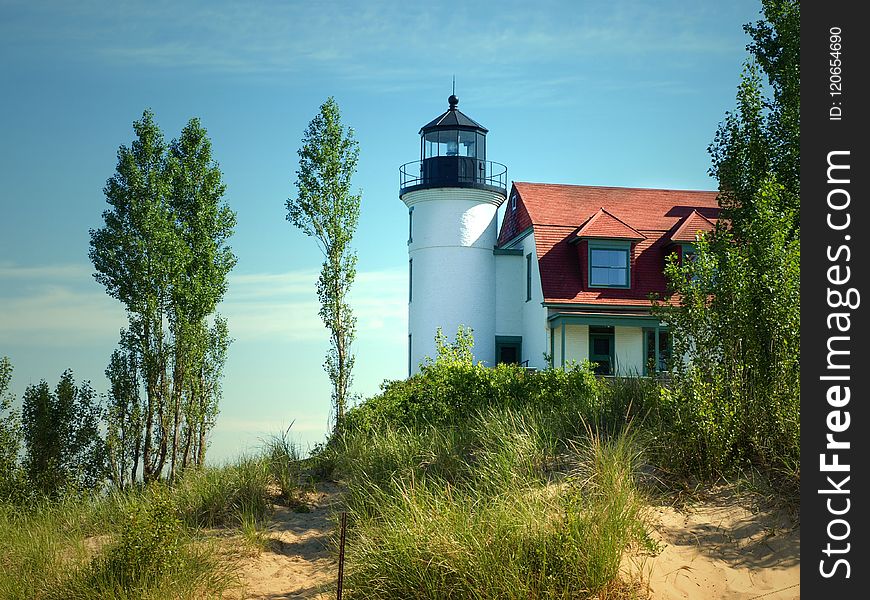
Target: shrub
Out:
[149,542]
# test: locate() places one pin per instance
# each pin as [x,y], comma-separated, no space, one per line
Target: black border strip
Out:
[834,244]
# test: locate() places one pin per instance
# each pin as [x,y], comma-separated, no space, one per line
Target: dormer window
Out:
[609,263]
[688,253]
[609,241]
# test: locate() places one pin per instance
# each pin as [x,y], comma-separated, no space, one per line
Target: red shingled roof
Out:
[692,225]
[604,225]
[558,211]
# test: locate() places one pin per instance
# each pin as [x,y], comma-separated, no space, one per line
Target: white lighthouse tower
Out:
[452,194]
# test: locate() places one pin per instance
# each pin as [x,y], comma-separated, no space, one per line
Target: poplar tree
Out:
[737,318]
[163,253]
[327,210]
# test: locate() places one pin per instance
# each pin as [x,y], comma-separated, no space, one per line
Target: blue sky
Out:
[622,93]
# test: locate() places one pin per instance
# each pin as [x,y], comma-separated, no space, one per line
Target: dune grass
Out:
[147,542]
[497,508]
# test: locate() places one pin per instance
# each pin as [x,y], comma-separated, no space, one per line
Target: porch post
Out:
[563,343]
[552,347]
[657,350]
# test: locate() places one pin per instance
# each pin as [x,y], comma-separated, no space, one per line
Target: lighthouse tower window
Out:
[410,224]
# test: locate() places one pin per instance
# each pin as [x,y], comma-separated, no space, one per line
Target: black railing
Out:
[452,171]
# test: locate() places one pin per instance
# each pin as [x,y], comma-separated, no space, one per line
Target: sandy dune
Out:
[720,547]
[298,562]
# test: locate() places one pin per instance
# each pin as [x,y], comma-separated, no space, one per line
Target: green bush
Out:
[447,393]
[149,544]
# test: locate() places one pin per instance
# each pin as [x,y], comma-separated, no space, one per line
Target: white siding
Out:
[535,340]
[576,343]
[454,232]
[629,350]
[510,285]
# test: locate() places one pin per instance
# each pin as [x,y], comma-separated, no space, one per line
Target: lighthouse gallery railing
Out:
[452,171]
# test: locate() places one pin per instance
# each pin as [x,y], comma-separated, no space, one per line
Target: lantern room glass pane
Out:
[448,143]
[481,146]
[430,144]
[467,143]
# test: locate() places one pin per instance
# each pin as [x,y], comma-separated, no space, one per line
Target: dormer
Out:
[684,237]
[606,242]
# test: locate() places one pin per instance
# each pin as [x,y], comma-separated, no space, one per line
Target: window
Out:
[467,140]
[649,351]
[508,349]
[514,202]
[689,253]
[528,277]
[609,264]
[410,280]
[410,224]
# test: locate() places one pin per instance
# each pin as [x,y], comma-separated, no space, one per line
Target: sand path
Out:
[717,547]
[721,547]
[297,562]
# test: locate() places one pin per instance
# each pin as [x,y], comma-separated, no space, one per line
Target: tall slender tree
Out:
[163,253]
[204,224]
[327,210]
[124,415]
[134,258]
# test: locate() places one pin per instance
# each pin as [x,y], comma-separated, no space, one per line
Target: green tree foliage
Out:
[326,210]
[62,442]
[737,315]
[10,434]
[163,253]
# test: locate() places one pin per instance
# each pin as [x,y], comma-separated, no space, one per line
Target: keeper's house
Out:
[566,278]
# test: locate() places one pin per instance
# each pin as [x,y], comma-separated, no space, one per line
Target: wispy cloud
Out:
[61,305]
[373,44]
[284,306]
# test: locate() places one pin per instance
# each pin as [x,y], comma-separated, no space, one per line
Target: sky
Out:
[615,92]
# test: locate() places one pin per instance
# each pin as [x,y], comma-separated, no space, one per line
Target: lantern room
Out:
[453,134]
[452,154]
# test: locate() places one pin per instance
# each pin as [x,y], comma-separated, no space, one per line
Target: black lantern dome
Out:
[453,154]
[453,133]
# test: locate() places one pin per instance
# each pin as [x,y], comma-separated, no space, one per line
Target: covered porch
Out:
[618,344]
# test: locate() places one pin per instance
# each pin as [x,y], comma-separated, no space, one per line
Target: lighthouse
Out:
[452,194]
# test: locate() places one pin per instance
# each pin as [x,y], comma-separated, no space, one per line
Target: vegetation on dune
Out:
[736,398]
[469,482]
[144,542]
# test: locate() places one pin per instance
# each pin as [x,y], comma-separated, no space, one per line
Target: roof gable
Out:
[604,225]
[691,226]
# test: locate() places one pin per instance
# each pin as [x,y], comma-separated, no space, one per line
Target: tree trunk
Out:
[150,393]
[177,387]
